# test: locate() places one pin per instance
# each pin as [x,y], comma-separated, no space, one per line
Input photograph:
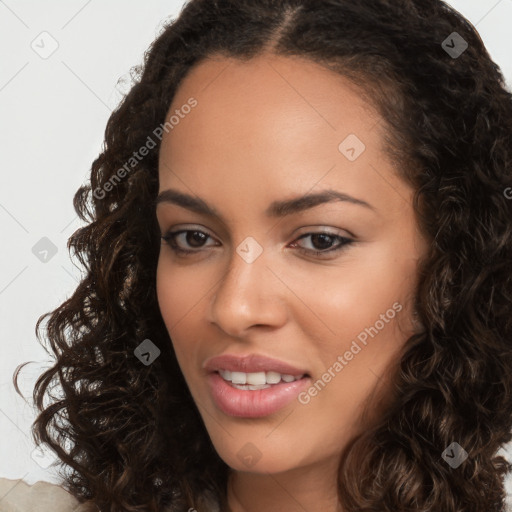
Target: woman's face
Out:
[261,278]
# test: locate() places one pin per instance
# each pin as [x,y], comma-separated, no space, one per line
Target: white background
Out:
[53,114]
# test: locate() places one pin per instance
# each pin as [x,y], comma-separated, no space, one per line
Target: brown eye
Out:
[191,238]
[323,241]
[193,241]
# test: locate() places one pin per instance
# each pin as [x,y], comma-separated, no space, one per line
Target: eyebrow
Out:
[276,209]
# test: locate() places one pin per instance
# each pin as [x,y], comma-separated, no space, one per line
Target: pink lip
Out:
[253,403]
[251,364]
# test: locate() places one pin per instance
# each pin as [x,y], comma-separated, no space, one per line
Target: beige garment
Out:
[18,496]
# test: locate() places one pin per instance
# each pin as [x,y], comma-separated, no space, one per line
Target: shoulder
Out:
[18,496]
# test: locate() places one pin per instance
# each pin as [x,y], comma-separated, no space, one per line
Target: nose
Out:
[248,295]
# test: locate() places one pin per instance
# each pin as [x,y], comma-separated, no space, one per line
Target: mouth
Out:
[253,386]
[253,400]
[252,369]
[257,380]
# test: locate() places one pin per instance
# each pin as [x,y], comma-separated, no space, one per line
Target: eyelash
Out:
[170,239]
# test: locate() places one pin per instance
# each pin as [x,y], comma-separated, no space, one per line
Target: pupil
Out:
[197,235]
[324,237]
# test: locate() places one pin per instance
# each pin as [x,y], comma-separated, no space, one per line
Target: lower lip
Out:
[253,403]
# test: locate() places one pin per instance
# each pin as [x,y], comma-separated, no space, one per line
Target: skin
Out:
[266,130]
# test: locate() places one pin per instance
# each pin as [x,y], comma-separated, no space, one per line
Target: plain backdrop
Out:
[64,66]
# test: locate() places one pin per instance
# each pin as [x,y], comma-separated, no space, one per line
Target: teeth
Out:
[225,374]
[273,377]
[244,387]
[256,380]
[238,377]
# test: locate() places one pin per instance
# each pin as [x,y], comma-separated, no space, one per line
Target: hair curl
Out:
[132,435]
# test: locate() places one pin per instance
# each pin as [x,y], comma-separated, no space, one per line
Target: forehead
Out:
[271,123]
[275,92]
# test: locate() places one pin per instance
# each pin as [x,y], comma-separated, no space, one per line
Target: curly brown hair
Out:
[132,435]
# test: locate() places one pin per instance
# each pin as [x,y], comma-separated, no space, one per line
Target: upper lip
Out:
[251,364]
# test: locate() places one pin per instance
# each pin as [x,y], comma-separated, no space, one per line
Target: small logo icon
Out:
[249,250]
[249,455]
[454,45]
[147,352]
[45,45]
[352,147]
[454,455]
[44,250]
[43,456]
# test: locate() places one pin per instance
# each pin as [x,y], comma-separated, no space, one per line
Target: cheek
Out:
[366,308]
[167,290]
[355,297]
[181,292]
[176,294]
[179,289]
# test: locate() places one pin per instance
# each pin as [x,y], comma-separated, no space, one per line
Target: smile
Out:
[253,385]
[253,400]
[257,380]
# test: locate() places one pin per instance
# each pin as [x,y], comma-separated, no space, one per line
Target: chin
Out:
[256,454]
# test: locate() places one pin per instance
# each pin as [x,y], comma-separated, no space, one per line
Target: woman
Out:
[298,269]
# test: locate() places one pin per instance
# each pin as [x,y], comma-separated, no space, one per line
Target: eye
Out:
[324,239]
[196,239]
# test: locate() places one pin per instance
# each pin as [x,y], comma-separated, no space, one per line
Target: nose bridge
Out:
[247,293]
